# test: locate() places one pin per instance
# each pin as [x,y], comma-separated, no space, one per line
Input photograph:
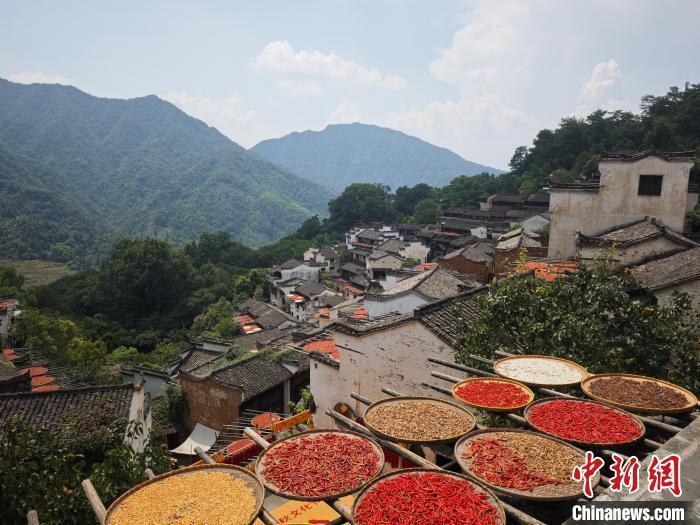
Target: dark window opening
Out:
[650,184]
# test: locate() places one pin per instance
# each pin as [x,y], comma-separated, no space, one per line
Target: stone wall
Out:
[209,403]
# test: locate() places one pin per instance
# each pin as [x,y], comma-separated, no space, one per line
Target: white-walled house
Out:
[630,187]
[634,243]
[677,273]
[410,293]
[392,352]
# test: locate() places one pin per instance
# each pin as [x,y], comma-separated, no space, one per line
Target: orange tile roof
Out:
[324,346]
[323,312]
[426,266]
[353,290]
[548,271]
[244,319]
[360,313]
[251,328]
[362,244]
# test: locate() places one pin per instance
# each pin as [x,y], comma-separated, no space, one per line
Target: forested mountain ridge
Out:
[138,167]
[343,154]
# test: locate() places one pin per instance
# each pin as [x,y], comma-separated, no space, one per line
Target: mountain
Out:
[345,153]
[138,167]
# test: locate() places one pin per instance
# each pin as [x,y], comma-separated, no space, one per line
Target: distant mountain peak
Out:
[341,154]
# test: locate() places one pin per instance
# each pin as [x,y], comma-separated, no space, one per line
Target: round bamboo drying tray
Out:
[480,487]
[571,364]
[248,477]
[585,444]
[398,439]
[692,401]
[530,393]
[260,463]
[568,491]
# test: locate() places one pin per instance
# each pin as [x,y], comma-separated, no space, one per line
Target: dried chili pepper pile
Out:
[583,421]
[495,394]
[320,464]
[643,393]
[520,461]
[430,498]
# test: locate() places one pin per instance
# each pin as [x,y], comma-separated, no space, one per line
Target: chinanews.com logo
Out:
[662,475]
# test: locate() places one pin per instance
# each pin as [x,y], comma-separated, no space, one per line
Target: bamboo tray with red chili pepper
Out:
[641,394]
[319,465]
[421,496]
[493,394]
[522,464]
[418,420]
[584,423]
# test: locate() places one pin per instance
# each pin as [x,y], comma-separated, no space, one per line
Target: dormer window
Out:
[650,185]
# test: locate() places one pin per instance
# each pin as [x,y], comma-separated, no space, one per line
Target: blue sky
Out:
[478,77]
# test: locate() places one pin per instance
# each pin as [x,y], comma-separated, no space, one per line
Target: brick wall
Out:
[481,270]
[505,259]
[209,403]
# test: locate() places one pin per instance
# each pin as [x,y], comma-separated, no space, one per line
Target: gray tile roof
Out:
[370,234]
[197,358]
[437,283]
[683,156]
[51,409]
[353,268]
[478,252]
[444,317]
[311,289]
[257,339]
[253,376]
[391,246]
[669,271]
[633,233]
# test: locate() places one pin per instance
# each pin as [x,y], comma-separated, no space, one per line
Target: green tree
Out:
[427,211]
[143,277]
[361,202]
[588,317]
[11,281]
[661,136]
[407,198]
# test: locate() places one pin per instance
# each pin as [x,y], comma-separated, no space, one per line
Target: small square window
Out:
[650,185]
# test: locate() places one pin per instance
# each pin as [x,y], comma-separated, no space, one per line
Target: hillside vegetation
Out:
[343,154]
[77,169]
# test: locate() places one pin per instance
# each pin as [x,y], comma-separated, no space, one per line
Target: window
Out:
[650,184]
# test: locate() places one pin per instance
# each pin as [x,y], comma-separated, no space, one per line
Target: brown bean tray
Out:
[584,444]
[481,487]
[541,385]
[692,400]
[248,477]
[530,393]
[398,439]
[260,463]
[563,492]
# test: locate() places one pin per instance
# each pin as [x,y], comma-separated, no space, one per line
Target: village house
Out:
[633,243]
[360,236]
[219,387]
[307,270]
[53,409]
[477,260]
[328,256]
[408,294]
[309,297]
[8,311]
[256,316]
[380,261]
[511,244]
[390,352]
[629,188]
[677,273]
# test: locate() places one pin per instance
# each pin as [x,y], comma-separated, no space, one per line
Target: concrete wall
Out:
[394,358]
[692,288]
[404,304]
[308,273]
[209,403]
[416,250]
[617,203]
[632,254]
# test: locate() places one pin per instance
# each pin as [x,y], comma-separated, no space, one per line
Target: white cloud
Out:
[214,112]
[346,113]
[492,31]
[602,78]
[478,128]
[280,57]
[300,88]
[37,77]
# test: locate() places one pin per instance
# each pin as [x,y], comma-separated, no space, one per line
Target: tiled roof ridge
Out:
[68,391]
[439,303]
[630,157]
[662,230]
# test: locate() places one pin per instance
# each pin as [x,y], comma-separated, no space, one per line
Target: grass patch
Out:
[38,272]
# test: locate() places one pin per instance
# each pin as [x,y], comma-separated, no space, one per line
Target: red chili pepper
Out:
[496,394]
[321,464]
[583,421]
[416,498]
